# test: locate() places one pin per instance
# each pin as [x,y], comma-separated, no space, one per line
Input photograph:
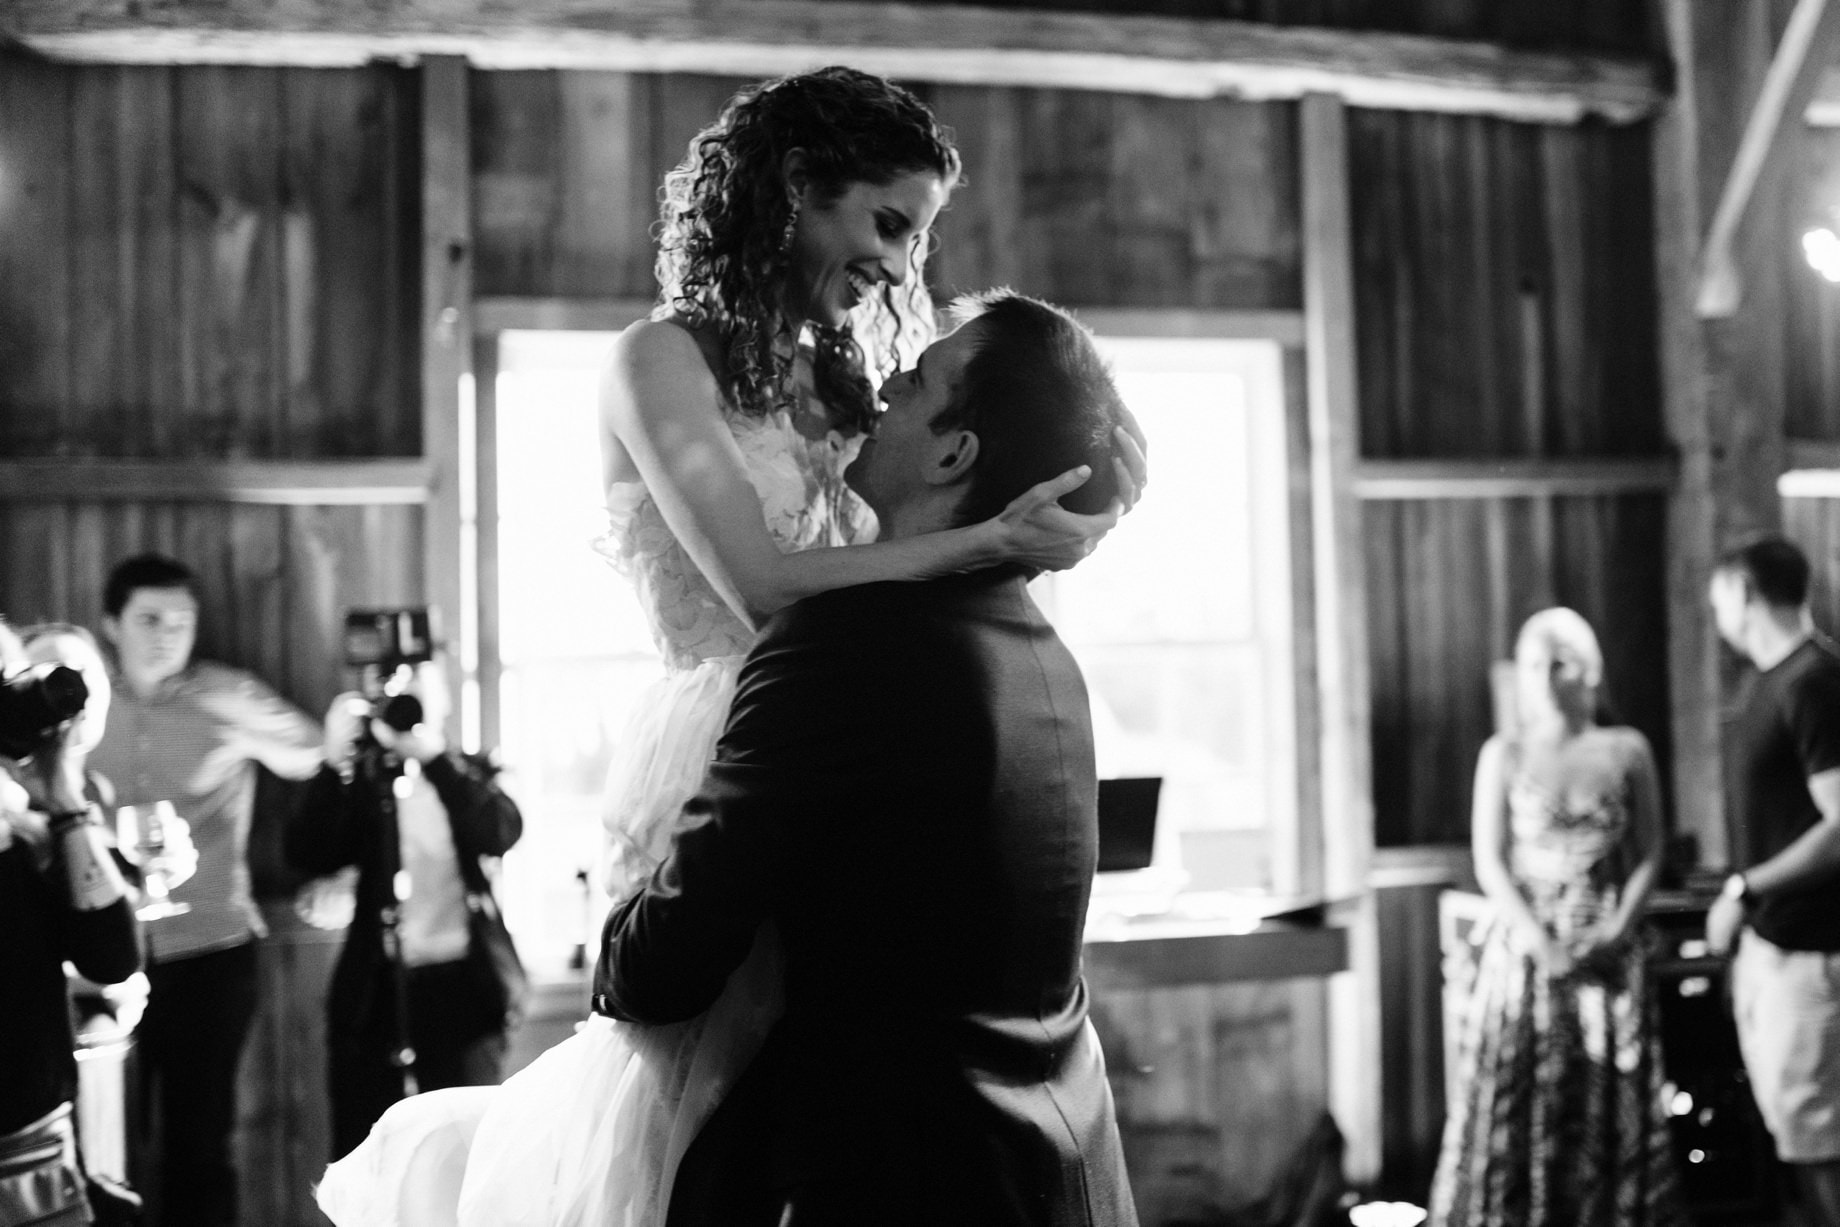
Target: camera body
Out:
[385,645]
[387,639]
[35,703]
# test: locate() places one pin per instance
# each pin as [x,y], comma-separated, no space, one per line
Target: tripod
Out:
[381,771]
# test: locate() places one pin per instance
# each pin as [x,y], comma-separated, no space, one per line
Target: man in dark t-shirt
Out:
[1782,911]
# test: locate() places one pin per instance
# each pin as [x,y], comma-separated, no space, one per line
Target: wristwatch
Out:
[1738,888]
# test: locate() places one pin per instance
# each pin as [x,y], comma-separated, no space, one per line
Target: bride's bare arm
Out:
[661,403]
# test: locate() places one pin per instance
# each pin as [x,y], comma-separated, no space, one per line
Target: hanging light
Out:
[1822,247]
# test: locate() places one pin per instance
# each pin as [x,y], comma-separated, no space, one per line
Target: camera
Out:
[386,644]
[388,638]
[34,704]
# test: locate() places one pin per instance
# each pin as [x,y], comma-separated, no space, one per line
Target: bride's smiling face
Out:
[843,249]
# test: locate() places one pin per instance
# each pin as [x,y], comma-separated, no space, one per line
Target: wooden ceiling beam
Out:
[957,44]
[1802,56]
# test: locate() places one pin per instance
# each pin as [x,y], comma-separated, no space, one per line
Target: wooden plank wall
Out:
[1084,198]
[207,262]
[1506,309]
[214,263]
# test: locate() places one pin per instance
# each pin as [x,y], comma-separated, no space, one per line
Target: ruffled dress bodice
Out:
[803,500]
[1567,853]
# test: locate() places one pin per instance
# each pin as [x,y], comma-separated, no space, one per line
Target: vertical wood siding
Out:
[207,261]
[1505,308]
[1083,198]
[1505,288]
[1449,585]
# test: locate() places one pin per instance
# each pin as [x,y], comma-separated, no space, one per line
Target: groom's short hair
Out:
[1039,398]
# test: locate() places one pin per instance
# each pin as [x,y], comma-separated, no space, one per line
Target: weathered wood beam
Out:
[1275,952]
[449,559]
[1345,691]
[329,483]
[1376,480]
[1807,47]
[508,312]
[962,44]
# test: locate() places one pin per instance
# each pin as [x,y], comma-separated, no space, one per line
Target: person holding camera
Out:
[62,897]
[190,733]
[427,984]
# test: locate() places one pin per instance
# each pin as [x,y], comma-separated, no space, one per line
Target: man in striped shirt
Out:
[190,732]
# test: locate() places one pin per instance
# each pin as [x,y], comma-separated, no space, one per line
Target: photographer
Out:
[427,983]
[61,898]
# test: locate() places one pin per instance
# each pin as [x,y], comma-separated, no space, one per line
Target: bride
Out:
[797,220]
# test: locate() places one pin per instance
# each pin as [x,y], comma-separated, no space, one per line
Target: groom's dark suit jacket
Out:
[905,788]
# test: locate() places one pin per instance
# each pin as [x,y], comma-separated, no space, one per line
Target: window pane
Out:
[573,643]
[1180,620]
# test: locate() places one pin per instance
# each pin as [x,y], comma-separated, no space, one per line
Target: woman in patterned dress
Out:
[792,241]
[1556,1119]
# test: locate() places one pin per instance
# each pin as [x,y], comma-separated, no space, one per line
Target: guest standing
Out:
[61,898]
[1556,1119]
[1781,911]
[191,732]
[421,967]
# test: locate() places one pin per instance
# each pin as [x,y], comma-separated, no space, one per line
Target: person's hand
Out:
[344,724]
[1037,531]
[1723,920]
[329,902]
[1601,949]
[424,743]
[52,779]
[1532,941]
[1130,460]
[177,859]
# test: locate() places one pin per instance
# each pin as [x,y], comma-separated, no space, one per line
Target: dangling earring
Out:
[792,225]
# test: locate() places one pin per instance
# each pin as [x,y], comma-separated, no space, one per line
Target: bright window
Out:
[1181,619]
[573,645]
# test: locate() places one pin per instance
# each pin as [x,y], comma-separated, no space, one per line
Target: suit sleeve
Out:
[784,761]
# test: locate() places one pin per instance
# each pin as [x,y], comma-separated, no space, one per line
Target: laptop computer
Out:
[1127,822]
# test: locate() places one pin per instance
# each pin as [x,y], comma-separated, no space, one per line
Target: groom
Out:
[905,787]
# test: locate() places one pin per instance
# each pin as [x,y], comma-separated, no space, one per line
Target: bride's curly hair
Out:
[722,262]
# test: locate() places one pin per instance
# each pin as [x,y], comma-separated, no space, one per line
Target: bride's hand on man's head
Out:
[1130,460]
[1036,530]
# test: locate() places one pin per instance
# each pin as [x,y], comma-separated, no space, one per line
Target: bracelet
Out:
[61,821]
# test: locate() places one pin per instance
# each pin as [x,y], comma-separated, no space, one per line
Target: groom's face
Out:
[892,466]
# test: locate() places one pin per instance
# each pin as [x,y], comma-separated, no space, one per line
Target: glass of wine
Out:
[141,831]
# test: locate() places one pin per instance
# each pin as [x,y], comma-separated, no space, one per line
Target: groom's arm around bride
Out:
[905,790]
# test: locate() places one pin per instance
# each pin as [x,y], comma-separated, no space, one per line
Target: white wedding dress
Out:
[590,1134]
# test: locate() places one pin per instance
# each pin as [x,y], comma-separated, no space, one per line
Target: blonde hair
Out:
[1564,632]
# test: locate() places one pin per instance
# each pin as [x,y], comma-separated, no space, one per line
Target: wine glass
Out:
[142,829]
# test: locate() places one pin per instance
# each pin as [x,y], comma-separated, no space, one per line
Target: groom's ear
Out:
[954,452]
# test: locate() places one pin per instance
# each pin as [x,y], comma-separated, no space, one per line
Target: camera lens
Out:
[34,704]
[401,712]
